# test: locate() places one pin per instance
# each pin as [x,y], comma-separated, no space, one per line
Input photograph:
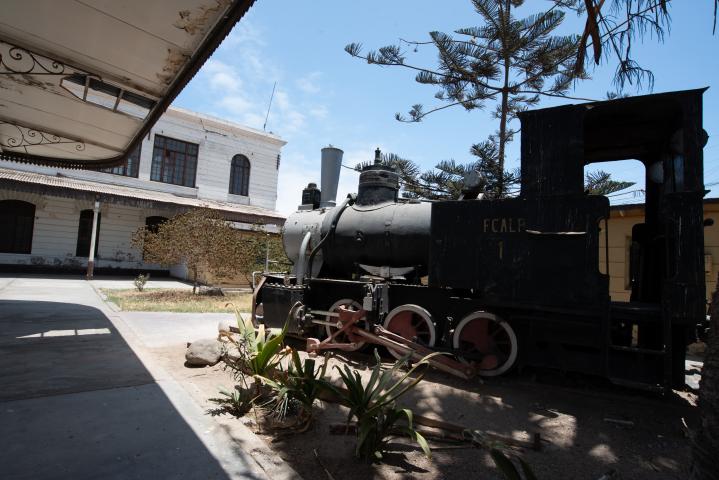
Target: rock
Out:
[211,291]
[224,326]
[204,352]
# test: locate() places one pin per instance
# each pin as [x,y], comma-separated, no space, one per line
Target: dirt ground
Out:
[569,412]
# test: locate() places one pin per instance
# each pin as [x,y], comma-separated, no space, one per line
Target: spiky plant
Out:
[300,382]
[236,402]
[373,404]
[260,351]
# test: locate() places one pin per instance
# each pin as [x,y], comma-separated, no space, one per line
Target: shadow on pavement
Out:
[76,402]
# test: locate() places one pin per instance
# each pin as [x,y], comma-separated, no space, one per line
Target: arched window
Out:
[84,233]
[240,175]
[17,219]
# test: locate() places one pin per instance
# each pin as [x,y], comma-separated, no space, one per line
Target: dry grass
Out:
[162,300]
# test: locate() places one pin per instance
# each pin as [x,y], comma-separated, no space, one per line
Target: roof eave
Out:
[188,71]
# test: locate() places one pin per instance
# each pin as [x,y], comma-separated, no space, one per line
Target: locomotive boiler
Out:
[513,281]
[372,233]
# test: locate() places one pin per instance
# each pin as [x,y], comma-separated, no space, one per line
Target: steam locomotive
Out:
[515,281]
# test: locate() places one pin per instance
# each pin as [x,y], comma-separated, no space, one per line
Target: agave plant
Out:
[507,467]
[300,383]
[373,405]
[237,402]
[260,349]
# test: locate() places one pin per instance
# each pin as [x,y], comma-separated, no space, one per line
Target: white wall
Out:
[55,232]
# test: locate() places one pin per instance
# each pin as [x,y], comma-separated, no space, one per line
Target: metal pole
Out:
[267,253]
[93,239]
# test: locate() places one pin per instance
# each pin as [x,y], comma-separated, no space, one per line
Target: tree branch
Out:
[421,116]
[557,95]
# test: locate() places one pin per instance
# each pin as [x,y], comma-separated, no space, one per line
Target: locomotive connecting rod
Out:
[395,342]
[347,324]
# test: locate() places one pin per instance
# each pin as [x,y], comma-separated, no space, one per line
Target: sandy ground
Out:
[568,411]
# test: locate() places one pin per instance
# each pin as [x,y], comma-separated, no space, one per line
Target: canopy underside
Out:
[82,81]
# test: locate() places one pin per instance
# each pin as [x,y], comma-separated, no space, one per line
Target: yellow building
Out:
[621,220]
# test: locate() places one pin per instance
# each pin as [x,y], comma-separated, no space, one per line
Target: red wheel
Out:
[343,337]
[487,337]
[413,323]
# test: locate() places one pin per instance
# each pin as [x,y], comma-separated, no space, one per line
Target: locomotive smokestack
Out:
[330,178]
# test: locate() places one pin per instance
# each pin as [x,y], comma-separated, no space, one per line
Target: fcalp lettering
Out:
[503,225]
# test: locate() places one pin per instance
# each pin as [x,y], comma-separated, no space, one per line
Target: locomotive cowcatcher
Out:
[514,281]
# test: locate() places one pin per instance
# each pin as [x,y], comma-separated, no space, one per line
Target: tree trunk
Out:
[503,115]
[705,443]
[194,281]
[502,140]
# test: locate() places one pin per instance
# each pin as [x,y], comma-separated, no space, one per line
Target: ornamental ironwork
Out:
[17,60]
[18,136]
[85,86]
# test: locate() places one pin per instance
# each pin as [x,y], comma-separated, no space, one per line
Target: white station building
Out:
[186,160]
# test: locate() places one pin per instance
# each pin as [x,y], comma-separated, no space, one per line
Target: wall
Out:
[55,233]
[620,232]
[219,141]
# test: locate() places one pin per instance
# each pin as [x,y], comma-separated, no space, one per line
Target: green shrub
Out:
[373,405]
[237,402]
[140,281]
[259,350]
[299,383]
[507,467]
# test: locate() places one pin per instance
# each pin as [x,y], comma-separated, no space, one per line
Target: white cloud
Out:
[222,76]
[284,115]
[309,83]
[237,103]
[292,121]
[245,33]
[359,155]
[297,171]
[319,111]
[347,184]
[254,120]
[240,77]
[221,80]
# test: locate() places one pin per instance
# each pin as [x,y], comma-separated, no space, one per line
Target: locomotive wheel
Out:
[260,313]
[413,323]
[344,337]
[487,335]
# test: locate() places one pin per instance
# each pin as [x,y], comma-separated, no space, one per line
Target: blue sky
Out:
[324,96]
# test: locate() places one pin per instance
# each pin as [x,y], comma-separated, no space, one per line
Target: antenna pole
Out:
[269,106]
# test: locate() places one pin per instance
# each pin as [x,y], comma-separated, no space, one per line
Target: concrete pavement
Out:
[128,282]
[80,397]
[162,329]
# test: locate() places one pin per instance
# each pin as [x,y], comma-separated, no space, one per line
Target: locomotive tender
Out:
[522,280]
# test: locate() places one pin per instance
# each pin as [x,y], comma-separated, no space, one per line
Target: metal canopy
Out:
[82,81]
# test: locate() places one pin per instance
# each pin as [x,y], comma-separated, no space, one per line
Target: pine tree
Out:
[601,183]
[508,61]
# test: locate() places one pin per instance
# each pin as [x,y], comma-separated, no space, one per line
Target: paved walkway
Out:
[128,282]
[81,398]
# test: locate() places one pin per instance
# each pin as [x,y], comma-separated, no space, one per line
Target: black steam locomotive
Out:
[523,280]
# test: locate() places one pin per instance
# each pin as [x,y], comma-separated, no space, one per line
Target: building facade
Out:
[621,221]
[188,160]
